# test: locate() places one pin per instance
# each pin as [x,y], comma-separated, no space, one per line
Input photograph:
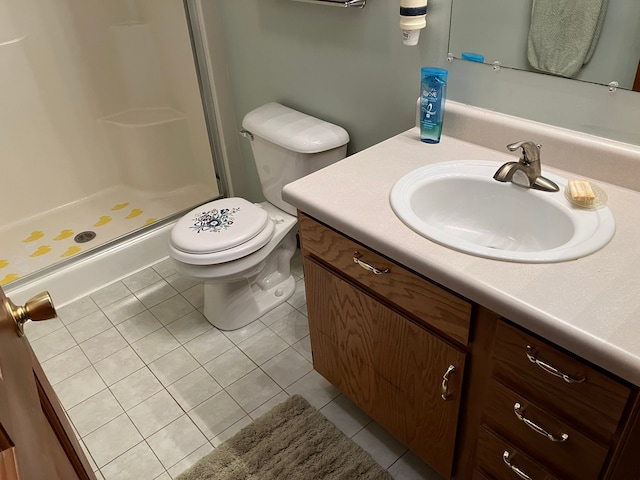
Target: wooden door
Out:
[36,439]
[390,367]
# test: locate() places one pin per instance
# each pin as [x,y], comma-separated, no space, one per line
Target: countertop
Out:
[590,306]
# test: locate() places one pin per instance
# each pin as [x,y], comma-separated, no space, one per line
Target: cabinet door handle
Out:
[366,266]
[445,382]
[550,369]
[506,458]
[519,411]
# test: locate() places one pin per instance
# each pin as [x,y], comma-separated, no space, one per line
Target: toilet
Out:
[240,250]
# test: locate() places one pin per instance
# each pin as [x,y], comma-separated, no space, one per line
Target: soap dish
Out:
[599,201]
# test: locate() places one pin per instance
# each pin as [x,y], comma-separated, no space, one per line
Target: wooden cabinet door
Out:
[36,439]
[390,367]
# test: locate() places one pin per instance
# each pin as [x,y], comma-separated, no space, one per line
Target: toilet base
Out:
[230,305]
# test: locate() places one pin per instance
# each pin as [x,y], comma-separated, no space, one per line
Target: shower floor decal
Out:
[35,236]
[104,219]
[43,240]
[134,213]
[64,234]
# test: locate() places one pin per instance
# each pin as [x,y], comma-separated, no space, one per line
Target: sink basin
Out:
[459,205]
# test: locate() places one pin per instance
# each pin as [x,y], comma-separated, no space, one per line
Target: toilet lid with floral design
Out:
[219,225]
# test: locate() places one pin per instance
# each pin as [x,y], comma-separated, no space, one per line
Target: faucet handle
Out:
[530,151]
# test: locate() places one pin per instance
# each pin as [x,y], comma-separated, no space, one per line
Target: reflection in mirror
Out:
[594,41]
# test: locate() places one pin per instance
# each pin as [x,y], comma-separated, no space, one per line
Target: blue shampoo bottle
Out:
[433,86]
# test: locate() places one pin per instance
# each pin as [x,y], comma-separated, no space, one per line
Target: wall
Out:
[349,66]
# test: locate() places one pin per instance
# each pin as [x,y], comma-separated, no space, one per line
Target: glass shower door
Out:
[102,126]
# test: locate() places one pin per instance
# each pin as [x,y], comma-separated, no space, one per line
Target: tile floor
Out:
[151,386]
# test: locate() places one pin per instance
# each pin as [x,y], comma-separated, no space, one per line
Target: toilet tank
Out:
[287,145]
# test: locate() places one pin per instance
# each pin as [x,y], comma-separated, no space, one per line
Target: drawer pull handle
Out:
[366,266]
[506,458]
[445,382]
[519,411]
[551,369]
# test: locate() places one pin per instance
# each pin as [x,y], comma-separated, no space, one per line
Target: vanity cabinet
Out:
[384,351]
[472,394]
[547,407]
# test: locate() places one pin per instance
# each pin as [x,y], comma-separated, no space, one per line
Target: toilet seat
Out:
[221,231]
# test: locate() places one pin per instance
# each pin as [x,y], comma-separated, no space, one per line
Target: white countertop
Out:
[590,306]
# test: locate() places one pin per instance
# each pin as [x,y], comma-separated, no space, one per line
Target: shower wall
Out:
[101,119]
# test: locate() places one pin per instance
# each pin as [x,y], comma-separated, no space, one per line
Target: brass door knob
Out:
[37,308]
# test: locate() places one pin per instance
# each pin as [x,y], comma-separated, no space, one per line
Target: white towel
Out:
[564,33]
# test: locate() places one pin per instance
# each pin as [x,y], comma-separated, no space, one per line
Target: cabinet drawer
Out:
[501,415]
[500,460]
[411,293]
[590,400]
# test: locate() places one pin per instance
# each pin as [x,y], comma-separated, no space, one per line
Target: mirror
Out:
[511,33]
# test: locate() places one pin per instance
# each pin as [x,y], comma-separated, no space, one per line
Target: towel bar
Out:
[337,3]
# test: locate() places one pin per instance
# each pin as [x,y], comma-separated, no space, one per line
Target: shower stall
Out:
[102,124]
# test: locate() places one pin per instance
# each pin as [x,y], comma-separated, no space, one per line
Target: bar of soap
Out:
[581,192]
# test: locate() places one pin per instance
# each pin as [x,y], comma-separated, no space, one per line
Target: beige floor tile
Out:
[139,463]
[112,440]
[123,309]
[89,326]
[155,345]
[208,346]
[136,388]
[79,387]
[287,367]
[410,467]
[138,326]
[110,294]
[65,364]
[95,412]
[103,345]
[230,366]
[314,388]
[119,365]
[379,443]
[171,309]
[292,327]
[346,415]
[193,389]
[76,310]
[156,293]
[190,460]
[189,326]
[53,344]
[263,346]
[155,413]
[173,366]
[253,390]
[176,441]
[216,414]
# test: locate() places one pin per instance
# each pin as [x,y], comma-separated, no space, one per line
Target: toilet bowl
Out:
[242,251]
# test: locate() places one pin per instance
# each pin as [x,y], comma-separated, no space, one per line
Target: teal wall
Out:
[349,67]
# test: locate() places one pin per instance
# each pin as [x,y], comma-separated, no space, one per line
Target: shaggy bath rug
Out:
[292,441]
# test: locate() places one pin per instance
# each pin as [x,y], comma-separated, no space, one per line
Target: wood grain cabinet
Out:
[405,376]
[472,394]
[560,414]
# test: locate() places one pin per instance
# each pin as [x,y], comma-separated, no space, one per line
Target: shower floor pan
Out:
[48,238]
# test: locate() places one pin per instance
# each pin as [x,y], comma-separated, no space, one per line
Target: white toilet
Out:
[242,251]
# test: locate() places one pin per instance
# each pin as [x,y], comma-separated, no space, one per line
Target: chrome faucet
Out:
[525,172]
